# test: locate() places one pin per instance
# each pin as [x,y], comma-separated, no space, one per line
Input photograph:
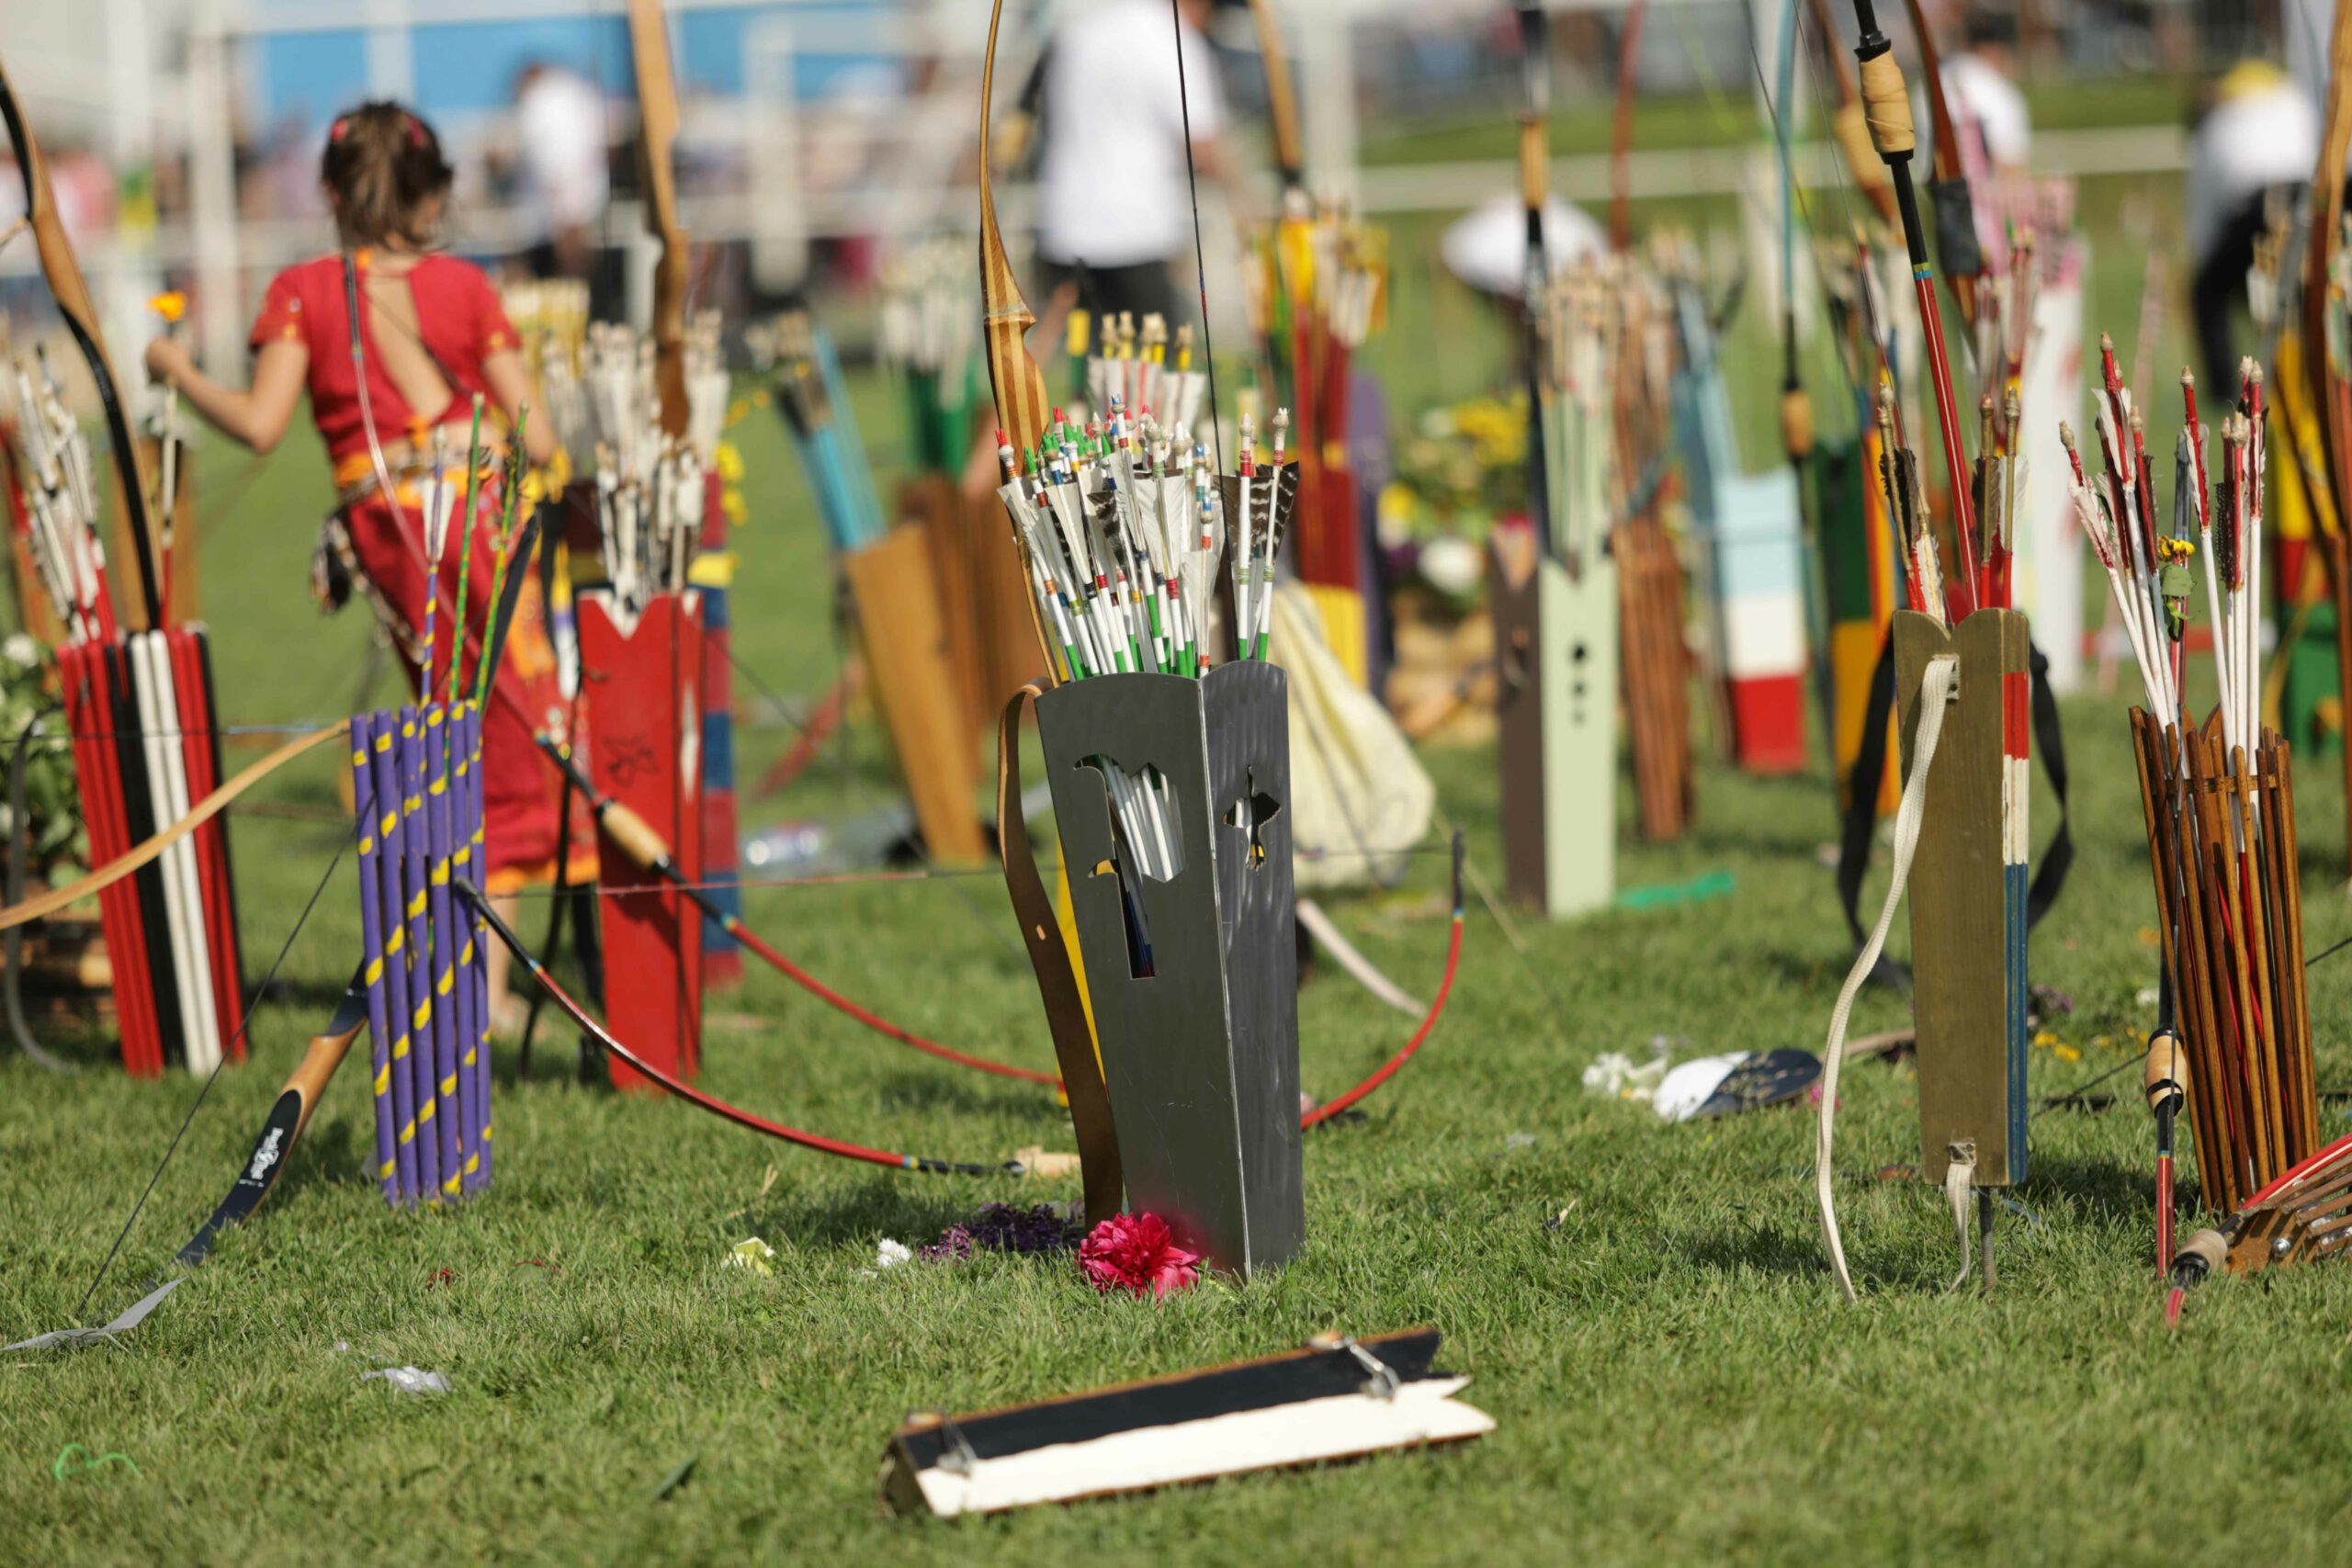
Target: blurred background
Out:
[818,136]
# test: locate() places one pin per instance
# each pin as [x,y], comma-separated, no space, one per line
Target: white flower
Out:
[890,1254]
[21,651]
[1451,565]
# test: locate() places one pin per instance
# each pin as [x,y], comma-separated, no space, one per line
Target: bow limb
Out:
[66,285]
[1015,383]
[1282,102]
[644,847]
[132,860]
[1847,125]
[1620,132]
[1014,380]
[657,110]
[2326,373]
[1535,278]
[1956,246]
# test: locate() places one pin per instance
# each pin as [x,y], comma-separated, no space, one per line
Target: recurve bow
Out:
[1014,380]
[2326,374]
[657,110]
[71,292]
[1957,252]
[1535,278]
[1282,104]
[1846,124]
[1620,132]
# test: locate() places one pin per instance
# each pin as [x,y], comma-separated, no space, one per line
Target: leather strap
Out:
[1041,933]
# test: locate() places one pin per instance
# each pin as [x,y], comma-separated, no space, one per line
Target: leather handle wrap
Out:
[1041,935]
[635,836]
[1887,105]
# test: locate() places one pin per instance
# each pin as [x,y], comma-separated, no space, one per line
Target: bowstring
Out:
[253,1004]
[1784,135]
[1200,251]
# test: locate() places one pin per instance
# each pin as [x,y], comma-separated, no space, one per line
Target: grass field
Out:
[1673,1375]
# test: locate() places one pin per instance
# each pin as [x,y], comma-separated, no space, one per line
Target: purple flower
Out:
[1000,1227]
[954,1244]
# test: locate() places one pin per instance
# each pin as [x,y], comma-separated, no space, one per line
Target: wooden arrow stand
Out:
[1968,894]
[1555,661]
[911,657]
[1193,979]
[2233,948]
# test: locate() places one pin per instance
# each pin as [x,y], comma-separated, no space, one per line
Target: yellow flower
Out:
[172,305]
[731,463]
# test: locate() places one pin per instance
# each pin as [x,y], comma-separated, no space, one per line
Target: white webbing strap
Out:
[1960,1175]
[1935,692]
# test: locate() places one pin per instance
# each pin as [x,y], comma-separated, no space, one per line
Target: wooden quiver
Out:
[2252,1103]
[983,595]
[911,657]
[1656,662]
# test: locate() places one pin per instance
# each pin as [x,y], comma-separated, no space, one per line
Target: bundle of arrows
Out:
[550,318]
[2218,796]
[804,373]
[416,777]
[1638,322]
[1138,367]
[1316,284]
[145,748]
[651,486]
[926,328]
[1124,522]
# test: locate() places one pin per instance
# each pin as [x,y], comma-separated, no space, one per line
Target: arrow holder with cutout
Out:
[1171,799]
[1556,663]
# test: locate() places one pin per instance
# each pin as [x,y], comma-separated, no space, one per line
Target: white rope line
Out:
[1934,694]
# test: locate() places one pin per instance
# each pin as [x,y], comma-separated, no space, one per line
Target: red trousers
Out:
[520,789]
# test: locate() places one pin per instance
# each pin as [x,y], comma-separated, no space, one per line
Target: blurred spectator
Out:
[1980,83]
[1486,247]
[2257,142]
[564,160]
[1115,207]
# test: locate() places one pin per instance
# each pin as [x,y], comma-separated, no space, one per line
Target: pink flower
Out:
[1138,1253]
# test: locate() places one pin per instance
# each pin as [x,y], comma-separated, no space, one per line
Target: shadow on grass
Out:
[944,1086]
[887,1206]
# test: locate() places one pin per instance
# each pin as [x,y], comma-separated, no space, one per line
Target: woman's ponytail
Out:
[385,167]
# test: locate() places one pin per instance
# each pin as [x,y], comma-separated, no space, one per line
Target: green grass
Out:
[1672,1373]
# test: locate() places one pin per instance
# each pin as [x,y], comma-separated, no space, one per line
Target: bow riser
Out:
[71,292]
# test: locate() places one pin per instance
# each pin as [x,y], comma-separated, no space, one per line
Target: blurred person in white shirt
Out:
[1114,185]
[562,154]
[2255,147]
[1980,83]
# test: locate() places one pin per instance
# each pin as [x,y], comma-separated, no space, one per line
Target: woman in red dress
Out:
[433,336]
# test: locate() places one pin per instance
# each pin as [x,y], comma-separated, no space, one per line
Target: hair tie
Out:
[335,131]
[415,131]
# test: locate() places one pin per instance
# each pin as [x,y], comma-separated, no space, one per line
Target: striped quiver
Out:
[2221,845]
[416,785]
[1171,795]
[1968,894]
[146,749]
